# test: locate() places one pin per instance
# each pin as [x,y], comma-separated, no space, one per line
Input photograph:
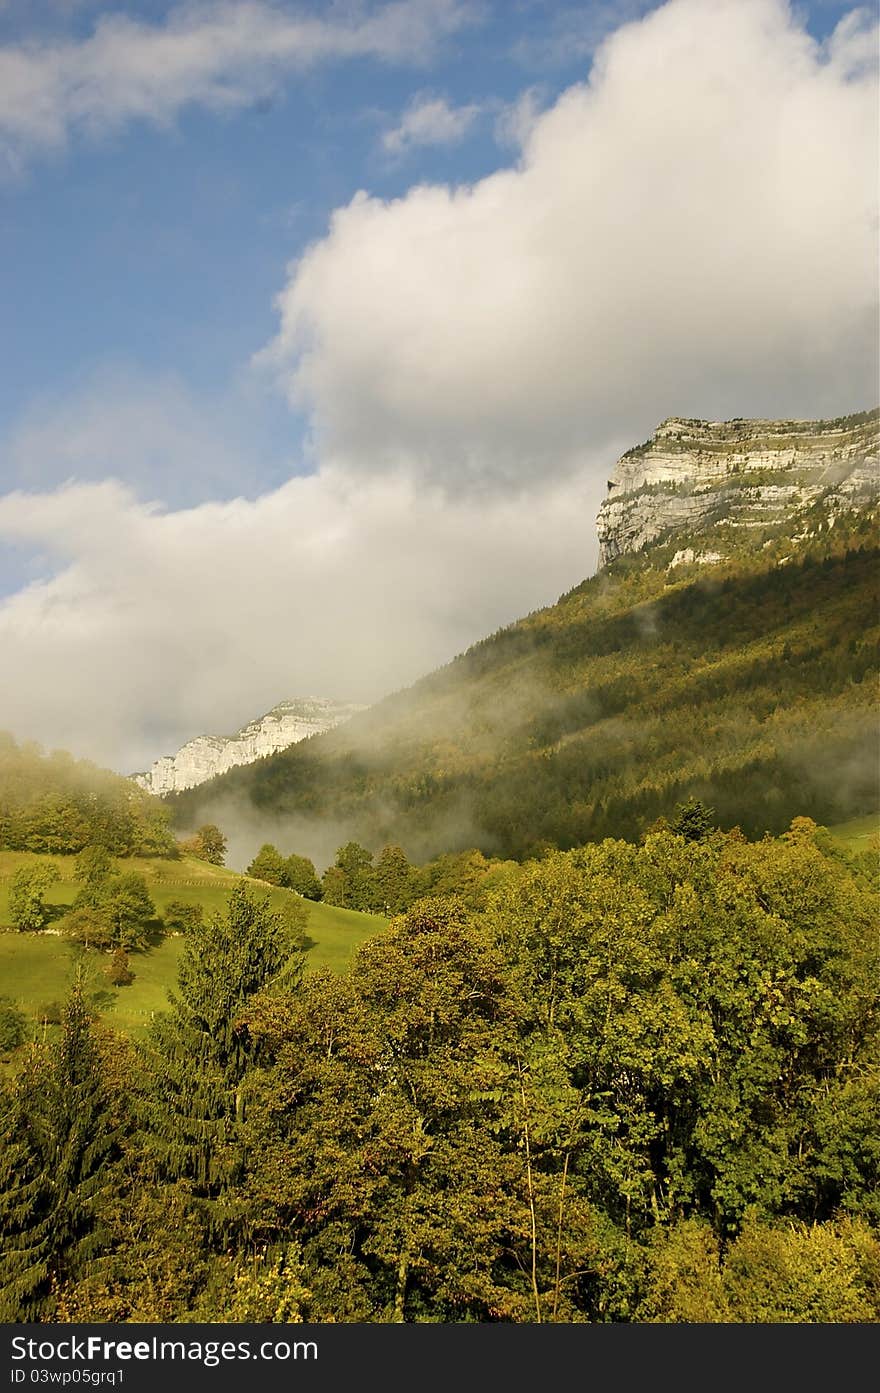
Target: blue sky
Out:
[157,246]
[179,246]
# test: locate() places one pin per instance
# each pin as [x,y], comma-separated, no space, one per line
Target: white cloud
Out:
[430,121]
[217,55]
[692,231]
[157,625]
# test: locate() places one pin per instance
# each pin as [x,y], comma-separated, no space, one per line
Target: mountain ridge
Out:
[745,682]
[206,756]
[721,476]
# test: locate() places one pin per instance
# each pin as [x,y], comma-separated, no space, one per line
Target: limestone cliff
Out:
[735,479]
[200,759]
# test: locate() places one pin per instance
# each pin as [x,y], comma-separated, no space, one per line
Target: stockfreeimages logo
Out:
[94,1348]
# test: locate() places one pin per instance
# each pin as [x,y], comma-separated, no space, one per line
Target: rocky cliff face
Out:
[200,759]
[735,479]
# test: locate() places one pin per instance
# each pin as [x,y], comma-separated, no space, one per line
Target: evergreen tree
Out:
[200,1050]
[25,1211]
[56,1166]
[693,820]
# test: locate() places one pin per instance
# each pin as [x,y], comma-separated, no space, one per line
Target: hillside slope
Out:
[749,682]
[36,969]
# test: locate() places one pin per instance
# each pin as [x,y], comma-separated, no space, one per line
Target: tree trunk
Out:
[399,1317]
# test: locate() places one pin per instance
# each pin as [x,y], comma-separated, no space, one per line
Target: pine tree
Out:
[56,1172]
[200,1052]
[24,1217]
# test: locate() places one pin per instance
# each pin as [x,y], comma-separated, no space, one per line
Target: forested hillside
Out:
[56,804]
[748,684]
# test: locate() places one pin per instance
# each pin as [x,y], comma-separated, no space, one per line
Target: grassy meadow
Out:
[35,969]
[859,834]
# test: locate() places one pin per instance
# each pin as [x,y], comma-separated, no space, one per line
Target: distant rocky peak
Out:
[205,756]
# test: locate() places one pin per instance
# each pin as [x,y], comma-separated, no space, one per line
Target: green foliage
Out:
[293,914]
[211,843]
[349,881]
[13,1026]
[118,970]
[27,896]
[180,917]
[54,804]
[364,1169]
[269,865]
[267,1288]
[693,820]
[685,1281]
[126,902]
[94,866]
[701,996]
[640,1083]
[393,881]
[806,1273]
[200,1052]
[88,924]
[303,878]
[56,1167]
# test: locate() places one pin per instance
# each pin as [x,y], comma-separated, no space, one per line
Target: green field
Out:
[35,969]
[859,834]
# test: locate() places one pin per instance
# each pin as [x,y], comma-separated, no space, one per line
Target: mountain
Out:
[692,476]
[208,755]
[747,682]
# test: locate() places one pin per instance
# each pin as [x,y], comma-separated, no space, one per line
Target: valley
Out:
[608,1053]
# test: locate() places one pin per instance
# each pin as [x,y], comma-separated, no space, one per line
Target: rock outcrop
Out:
[731,478]
[200,759]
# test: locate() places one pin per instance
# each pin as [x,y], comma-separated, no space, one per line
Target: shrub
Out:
[118,971]
[13,1026]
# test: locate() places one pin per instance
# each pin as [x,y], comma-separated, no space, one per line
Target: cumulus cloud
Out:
[430,121]
[215,55]
[692,231]
[153,625]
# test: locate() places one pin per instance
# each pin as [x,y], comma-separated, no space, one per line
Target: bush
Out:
[804,1273]
[118,971]
[13,1026]
[27,896]
[181,918]
[295,917]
